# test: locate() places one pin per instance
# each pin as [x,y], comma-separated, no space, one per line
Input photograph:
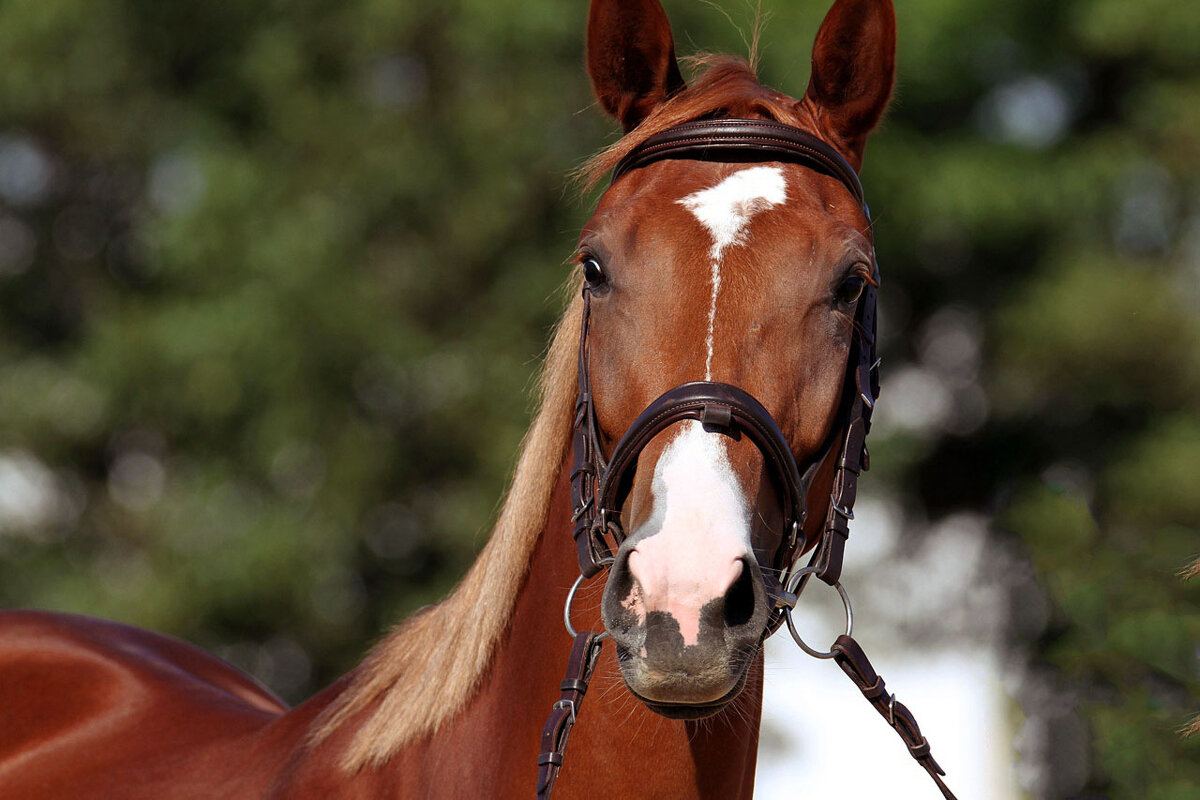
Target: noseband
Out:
[599,487]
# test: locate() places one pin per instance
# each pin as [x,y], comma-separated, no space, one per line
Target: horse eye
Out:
[593,273]
[851,289]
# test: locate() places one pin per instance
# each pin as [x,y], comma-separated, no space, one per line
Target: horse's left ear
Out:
[853,69]
[631,58]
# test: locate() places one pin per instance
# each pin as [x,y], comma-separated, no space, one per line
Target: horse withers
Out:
[720,328]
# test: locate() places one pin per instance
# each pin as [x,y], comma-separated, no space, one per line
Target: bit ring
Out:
[793,583]
[604,562]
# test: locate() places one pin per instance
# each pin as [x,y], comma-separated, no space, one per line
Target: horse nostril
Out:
[739,598]
[622,576]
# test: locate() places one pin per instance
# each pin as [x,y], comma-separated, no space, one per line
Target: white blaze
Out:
[700,510]
[705,529]
[726,210]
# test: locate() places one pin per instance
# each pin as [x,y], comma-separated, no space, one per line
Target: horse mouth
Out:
[692,711]
[693,703]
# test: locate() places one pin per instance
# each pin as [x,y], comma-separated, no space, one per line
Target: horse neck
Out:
[618,746]
[490,747]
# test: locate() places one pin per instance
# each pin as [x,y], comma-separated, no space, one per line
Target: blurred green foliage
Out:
[274,278]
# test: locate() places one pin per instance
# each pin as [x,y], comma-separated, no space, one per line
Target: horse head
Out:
[735,283]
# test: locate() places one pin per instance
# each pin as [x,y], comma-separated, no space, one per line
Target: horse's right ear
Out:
[631,58]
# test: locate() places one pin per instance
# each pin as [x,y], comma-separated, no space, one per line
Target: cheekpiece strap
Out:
[594,542]
[862,389]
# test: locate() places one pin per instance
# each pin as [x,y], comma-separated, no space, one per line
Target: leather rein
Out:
[600,486]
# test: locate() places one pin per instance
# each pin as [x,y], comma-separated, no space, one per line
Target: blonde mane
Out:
[425,670]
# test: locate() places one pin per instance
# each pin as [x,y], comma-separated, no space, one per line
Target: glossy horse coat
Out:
[741,273]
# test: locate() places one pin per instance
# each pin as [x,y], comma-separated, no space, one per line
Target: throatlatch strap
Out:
[562,717]
[854,662]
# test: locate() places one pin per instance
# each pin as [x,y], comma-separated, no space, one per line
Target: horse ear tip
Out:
[630,57]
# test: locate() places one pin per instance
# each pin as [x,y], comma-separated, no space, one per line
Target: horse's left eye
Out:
[851,289]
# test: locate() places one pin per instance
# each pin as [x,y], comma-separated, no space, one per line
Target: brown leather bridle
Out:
[599,487]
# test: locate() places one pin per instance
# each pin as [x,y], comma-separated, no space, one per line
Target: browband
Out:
[742,139]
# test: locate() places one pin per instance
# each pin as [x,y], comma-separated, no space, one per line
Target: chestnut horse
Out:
[746,272]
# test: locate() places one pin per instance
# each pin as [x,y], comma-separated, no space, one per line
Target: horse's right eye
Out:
[593,273]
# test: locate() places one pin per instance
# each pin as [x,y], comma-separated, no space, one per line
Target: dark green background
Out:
[274,279]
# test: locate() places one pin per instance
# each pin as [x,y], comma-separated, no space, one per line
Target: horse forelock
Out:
[423,673]
[727,86]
